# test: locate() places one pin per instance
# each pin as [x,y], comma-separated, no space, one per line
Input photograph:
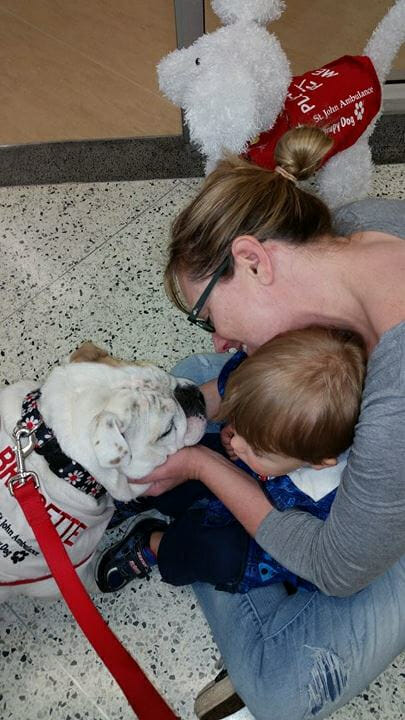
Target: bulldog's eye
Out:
[168,431]
[197,61]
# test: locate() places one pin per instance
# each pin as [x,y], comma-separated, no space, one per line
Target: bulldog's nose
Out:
[191,400]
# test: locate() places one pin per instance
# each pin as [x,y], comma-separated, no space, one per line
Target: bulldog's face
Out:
[150,416]
[121,422]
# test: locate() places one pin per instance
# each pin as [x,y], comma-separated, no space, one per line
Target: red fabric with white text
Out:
[342,98]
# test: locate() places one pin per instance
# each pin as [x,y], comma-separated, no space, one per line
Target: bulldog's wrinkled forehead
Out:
[150,378]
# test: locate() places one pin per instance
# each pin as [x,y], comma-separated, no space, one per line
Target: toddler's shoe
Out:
[130,558]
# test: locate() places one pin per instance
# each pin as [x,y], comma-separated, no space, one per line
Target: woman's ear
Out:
[251,255]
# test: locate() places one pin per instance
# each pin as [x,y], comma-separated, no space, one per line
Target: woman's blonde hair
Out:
[299,394]
[239,198]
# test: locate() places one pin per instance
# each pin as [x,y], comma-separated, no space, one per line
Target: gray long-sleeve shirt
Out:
[365,532]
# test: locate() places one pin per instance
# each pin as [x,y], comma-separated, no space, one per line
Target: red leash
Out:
[139,691]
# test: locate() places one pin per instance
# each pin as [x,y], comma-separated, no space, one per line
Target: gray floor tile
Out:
[389,181]
[45,230]
[113,297]
[35,683]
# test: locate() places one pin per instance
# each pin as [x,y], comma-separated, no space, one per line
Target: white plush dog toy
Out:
[235,85]
[96,427]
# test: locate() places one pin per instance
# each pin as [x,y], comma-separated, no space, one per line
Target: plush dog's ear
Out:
[261,11]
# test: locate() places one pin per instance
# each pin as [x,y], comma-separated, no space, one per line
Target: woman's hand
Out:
[177,469]
[239,492]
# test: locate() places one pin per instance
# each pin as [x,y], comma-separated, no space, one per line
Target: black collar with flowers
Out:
[47,445]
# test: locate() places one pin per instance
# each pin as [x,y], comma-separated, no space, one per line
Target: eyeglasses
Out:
[194,313]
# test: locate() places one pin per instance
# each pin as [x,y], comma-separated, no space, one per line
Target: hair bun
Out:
[300,151]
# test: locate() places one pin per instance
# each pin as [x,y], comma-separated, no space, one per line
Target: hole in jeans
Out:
[328,678]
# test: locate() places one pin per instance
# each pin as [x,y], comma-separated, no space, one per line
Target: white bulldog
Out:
[110,423]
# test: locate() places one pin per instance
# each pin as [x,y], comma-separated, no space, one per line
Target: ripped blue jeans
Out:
[302,656]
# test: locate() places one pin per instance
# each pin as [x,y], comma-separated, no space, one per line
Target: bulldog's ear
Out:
[109,444]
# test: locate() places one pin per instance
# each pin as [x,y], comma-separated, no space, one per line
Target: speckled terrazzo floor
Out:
[85,262]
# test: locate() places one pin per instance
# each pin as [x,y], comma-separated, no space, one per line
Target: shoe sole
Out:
[218,700]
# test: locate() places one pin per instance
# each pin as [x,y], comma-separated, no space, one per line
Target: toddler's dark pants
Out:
[192,551]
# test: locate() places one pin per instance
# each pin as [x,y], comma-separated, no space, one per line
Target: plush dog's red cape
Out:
[341,97]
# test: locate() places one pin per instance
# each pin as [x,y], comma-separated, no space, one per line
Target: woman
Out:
[254,255]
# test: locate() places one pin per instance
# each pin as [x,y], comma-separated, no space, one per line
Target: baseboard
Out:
[144,158]
[394,97]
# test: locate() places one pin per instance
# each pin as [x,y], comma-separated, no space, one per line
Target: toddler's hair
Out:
[299,394]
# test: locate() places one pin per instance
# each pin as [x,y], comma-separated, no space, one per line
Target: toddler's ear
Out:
[328,462]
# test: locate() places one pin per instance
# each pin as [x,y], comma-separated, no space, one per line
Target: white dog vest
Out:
[79,509]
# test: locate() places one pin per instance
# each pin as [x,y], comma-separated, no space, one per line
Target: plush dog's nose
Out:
[191,400]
